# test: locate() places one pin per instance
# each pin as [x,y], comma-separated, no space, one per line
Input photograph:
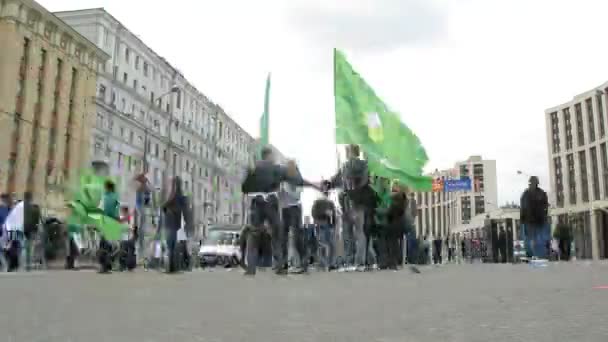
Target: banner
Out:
[462,184]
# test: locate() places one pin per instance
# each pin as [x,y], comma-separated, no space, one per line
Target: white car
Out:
[220,248]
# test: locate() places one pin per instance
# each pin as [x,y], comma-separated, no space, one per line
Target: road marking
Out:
[604,287]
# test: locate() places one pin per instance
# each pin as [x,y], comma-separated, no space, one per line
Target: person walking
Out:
[31,225]
[174,210]
[324,216]
[111,207]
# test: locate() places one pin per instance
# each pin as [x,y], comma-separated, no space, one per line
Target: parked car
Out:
[221,247]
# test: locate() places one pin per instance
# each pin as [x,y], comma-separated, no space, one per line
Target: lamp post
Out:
[174,90]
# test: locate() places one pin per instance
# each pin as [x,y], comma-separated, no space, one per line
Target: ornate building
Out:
[150,117]
[47,86]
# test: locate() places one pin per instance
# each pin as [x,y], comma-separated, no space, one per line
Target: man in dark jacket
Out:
[396,224]
[261,184]
[324,216]
[533,216]
[176,213]
[502,245]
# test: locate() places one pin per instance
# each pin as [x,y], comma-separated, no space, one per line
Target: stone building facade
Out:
[47,86]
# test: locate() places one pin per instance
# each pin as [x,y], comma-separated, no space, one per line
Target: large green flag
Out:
[392,149]
[265,119]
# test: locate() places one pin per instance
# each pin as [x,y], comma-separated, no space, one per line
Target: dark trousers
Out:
[262,211]
[564,248]
[502,248]
[292,217]
[437,251]
[105,255]
[127,259]
[171,240]
[392,251]
[183,259]
[73,253]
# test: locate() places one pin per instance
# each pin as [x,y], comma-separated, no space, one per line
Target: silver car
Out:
[221,247]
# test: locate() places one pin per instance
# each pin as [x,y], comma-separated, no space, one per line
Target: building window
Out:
[125,78]
[127,54]
[555,132]
[136,62]
[571,178]
[179,99]
[584,178]
[568,124]
[600,112]
[589,106]
[102,92]
[580,131]
[595,175]
[480,204]
[604,169]
[135,85]
[146,69]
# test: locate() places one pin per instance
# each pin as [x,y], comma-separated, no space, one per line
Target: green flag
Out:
[392,149]
[264,120]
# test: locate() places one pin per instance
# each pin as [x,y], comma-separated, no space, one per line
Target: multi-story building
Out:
[578,165]
[440,212]
[47,86]
[151,118]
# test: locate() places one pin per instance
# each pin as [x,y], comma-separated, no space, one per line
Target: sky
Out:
[469,77]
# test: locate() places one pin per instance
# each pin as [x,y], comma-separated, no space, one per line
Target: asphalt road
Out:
[448,303]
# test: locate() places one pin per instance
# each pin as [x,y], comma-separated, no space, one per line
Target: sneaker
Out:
[360,268]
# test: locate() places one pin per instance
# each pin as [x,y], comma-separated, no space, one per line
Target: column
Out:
[595,247]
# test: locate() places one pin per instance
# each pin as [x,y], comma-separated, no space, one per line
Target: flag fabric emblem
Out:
[374,127]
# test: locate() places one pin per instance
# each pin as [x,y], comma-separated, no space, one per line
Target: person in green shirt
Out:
[111,206]
[110,201]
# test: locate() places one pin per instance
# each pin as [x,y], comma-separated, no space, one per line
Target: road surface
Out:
[449,303]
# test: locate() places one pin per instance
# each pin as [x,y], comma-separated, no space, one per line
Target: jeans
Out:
[328,244]
[171,239]
[292,217]
[535,239]
[348,240]
[356,243]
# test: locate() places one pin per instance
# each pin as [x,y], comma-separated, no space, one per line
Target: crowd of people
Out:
[373,216]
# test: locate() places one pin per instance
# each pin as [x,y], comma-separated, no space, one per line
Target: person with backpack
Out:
[533,217]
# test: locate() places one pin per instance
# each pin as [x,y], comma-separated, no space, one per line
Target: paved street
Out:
[449,303]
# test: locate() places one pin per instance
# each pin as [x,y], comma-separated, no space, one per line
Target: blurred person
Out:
[261,185]
[324,216]
[174,210]
[31,228]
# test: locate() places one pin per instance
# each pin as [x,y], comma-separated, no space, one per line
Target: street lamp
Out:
[174,90]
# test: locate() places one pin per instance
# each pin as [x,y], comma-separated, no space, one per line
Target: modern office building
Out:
[151,118]
[439,212]
[578,167]
[48,75]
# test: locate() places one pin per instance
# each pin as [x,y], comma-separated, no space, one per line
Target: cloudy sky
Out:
[470,77]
